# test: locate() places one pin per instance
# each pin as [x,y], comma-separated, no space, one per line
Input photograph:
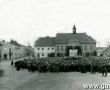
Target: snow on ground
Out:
[24,80]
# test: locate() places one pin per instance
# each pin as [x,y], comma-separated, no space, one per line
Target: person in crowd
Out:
[18,68]
[105,71]
[91,69]
[61,64]
[12,62]
[102,70]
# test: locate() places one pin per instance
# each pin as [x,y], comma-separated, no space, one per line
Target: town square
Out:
[54,45]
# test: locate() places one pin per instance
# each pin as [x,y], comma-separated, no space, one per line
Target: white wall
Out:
[45,51]
[17,52]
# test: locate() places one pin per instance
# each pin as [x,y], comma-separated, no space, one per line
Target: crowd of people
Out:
[65,64]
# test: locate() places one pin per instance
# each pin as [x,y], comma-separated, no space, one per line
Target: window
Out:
[57,47]
[42,48]
[85,47]
[52,48]
[10,50]
[38,48]
[42,54]
[91,47]
[61,47]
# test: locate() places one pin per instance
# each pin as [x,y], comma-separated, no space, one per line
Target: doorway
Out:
[5,56]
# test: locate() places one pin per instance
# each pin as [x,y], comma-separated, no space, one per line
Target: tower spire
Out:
[74,29]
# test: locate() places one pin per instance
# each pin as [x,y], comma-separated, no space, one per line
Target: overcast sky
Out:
[26,20]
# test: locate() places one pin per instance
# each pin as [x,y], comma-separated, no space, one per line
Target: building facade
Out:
[101,50]
[11,50]
[106,52]
[62,41]
[44,47]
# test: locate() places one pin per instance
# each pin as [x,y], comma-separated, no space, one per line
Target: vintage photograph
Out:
[54,44]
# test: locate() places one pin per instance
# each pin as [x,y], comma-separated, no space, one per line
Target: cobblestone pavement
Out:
[24,80]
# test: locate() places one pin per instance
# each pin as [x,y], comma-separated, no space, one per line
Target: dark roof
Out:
[1,44]
[45,42]
[15,43]
[63,38]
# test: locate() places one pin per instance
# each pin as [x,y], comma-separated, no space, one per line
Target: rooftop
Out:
[63,38]
[45,41]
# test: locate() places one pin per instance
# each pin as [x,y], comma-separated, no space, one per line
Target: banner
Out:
[73,52]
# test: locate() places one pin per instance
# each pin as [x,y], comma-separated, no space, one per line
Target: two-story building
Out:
[18,50]
[62,41]
[11,50]
[44,46]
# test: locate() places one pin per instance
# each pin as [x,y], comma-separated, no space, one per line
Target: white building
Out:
[44,47]
[6,50]
[10,50]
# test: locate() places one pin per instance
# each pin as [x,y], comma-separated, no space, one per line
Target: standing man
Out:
[91,69]
[105,71]
[102,70]
[12,62]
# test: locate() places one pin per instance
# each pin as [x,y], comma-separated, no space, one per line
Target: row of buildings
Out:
[57,46]
[13,50]
[60,45]
[103,51]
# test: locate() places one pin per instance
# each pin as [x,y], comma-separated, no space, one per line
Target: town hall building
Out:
[59,45]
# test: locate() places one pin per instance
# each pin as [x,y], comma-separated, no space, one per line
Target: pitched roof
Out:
[15,43]
[63,38]
[45,42]
[4,43]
